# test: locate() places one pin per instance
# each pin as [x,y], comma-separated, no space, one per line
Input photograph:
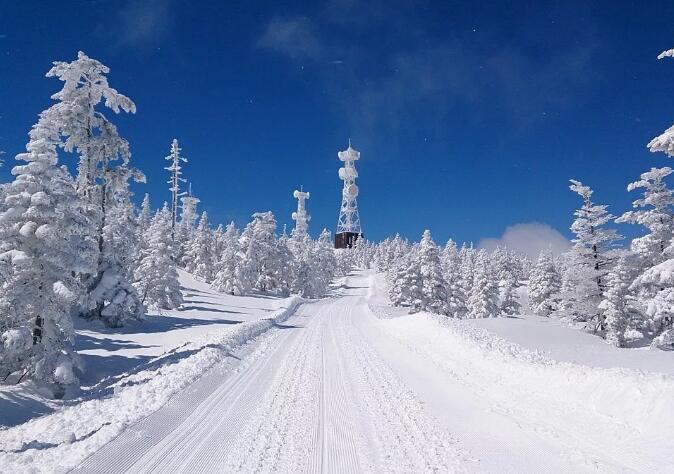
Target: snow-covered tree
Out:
[199,259]
[156,278]
[654,212]
[112,296]
[45,241]
[615,307]
[483,300]
[544,285]
[226,276]
[456,296]
[589,260]
[466,268]
[324,262]
[508,271]
[144,216]
[261,262]
[176,172]
[406,288]
[433,285]
[103,174]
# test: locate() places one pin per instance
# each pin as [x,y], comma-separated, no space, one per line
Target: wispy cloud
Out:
[529,238]
[488,73]
[144,22]
[293,37]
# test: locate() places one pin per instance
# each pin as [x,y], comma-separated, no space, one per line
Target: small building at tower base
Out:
[346,240]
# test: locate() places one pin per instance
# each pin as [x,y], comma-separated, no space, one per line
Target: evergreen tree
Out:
[456,297]
[324,262]
[589,259]
[544,285]
[483,301]
[46,239]
[145,216]
[615,306]
[226,276]
[406,287]
[433,285]
[156,276]
[176,178]
[199,258]
[261,262]
[103,174]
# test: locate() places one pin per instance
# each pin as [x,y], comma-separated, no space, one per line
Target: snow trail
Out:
[314,396]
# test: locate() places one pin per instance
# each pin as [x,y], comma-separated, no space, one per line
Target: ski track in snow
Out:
[313,397]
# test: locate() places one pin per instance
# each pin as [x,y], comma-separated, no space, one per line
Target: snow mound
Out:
[610,418]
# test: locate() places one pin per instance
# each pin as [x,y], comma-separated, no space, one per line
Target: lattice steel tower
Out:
[348,224]
[301,217]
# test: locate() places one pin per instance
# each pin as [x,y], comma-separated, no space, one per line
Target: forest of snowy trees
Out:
[617,292]
[73,245]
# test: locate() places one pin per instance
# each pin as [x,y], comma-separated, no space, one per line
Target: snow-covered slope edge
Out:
[78,430]
[609,419]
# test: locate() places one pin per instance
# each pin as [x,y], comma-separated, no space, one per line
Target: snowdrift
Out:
[606,418]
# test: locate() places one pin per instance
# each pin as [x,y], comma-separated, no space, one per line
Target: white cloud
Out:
[529,238]
[146,21]
[292,36]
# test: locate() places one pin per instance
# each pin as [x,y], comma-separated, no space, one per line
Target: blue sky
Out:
[470,116]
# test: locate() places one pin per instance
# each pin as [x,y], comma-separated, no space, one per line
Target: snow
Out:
[561,342]
[144,365]
[350,384]
[578,403]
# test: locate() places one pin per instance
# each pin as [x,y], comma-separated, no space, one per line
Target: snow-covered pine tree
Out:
[144,216]
[226,276]
[199,259]
[218,241]
[46,240]
[433,284]
[103,173]
[301,269]
[156,278]
[113,297]
[406,288]
[324,262]
[176,172]
[456,297]
[616,309]
[285,265]
[589,260]
[260,263]
[544,285]
[654,212]
[186,227]
[466,268]
[508,272]
[483,300]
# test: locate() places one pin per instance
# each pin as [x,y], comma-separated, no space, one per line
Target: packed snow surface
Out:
[348,384]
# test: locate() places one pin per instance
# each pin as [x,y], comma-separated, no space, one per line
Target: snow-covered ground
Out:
[132,371]
[348,384]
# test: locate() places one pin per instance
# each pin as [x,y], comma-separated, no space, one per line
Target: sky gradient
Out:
[470,118]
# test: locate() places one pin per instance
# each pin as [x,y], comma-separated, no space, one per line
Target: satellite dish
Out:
[352,190]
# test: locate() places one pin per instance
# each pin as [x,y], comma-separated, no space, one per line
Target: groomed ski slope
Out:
[334,388]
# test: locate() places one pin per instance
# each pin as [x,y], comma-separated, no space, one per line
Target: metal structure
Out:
[301,217]
[348,224]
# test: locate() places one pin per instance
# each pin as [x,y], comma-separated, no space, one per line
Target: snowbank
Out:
[609,418]
[59,441]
